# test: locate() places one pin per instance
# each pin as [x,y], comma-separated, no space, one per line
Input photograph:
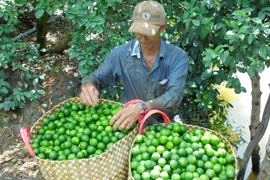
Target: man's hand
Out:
[126,117]
[89,94]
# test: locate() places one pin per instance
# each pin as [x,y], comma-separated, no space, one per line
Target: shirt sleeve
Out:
[104,76]
[176,84]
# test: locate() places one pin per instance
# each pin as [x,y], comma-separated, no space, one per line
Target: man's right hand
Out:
[89,94]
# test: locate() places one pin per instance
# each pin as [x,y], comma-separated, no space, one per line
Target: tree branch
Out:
[34,29]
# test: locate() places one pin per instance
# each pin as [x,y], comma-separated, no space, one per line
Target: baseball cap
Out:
[147,18]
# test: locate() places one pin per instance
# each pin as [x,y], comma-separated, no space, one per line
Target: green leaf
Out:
[204,32]
[241,69]
[251,71]
[207,74]
[256,20]
[250,39]
[260,67]
[35,81]
[41,92]
[206,21]
[239,13]
[21,2]
[98,19]
[262,52]
[234,24]
[99,29]
[196,22]
[39,13]
[243,29]
[90,24]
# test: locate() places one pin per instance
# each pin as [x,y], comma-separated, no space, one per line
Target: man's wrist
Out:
[143,106]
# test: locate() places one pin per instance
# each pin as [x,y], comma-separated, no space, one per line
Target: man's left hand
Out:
[126,117]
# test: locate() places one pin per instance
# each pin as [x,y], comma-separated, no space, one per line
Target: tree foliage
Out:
[221,38]
[16,58]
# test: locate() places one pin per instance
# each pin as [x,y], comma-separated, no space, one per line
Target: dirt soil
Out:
[62,82]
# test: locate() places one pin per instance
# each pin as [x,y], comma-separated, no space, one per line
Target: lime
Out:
[204,177]
[174,164]
[71,157]
[214,140]
[208,165]
[149,164]
[155,156]
[146,175]
[191,168]
[164,175]
[160,149]
[134,164]
[53,155]
[75,149]
[176,177]
[41,155]
[166,168]
[162,162]
[154,174]
[140,169]
[229,159]
[151,149]
[166,155]
[210,173]
[145,156]
[169,145]
[62,157]
[75,140]
[192,159]
[230,173]
[217,168]
[163,139]
[91,150]
[183,162]
[83,145]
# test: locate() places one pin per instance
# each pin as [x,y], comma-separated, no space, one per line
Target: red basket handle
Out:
[25,134]
[134,101]
[148,114]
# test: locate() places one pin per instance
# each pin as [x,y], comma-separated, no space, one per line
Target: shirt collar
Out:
[135,51]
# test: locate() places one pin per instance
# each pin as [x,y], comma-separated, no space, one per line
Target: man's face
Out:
[148,42]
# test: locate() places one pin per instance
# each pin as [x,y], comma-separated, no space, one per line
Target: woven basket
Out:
[189,127]
[110,165]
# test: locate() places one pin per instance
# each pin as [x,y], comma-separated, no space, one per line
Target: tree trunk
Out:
[255,120]
[42,28]
[252,144]
[265,165]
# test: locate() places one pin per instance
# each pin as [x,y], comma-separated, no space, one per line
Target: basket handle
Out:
[148,114]
[134,101]
[25,134]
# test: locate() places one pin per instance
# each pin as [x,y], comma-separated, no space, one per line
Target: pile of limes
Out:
[77,131]
[173,152]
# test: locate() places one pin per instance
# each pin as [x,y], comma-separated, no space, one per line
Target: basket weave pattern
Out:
[110,165]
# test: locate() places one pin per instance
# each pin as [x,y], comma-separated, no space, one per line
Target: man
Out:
[149,68]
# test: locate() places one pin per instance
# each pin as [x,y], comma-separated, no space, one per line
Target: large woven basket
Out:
[189,127]
[110,165]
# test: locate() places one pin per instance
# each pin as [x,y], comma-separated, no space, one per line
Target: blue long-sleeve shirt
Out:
[163,86]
